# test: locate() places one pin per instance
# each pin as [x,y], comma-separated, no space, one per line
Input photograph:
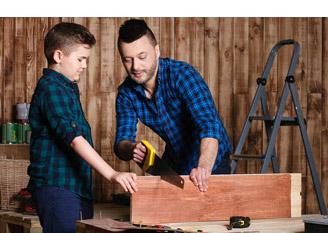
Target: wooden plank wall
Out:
[230,53]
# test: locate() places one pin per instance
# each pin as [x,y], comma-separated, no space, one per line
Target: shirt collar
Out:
[58,76]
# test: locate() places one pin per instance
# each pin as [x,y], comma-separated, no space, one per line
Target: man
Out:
[172,99]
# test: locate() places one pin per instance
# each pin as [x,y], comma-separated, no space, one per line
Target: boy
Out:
[62,151]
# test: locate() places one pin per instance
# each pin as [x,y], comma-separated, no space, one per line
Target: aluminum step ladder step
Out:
[285,121]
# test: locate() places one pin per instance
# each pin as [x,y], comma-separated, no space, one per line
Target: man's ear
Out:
[157,50]
[57,56]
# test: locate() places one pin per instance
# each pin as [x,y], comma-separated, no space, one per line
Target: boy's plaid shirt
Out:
[56,118]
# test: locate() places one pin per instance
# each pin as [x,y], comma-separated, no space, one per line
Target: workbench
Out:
[12,222]
[279,225]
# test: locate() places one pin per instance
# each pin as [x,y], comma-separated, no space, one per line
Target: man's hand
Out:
[128,181]
[139,152]
[200,177]
[128,150]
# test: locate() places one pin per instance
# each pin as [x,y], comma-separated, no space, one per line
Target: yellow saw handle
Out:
[150,156]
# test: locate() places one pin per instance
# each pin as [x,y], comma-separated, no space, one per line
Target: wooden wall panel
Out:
[8,55]
[230,53]
[197,27]
[1,67]
[166,41]
[255,69]
[298,159]
[324,127]
[211,73]
[19,60]
[313,124]
[225,76]
[284,137]
[31,56]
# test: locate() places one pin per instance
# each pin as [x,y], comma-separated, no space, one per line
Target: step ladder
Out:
[272,123]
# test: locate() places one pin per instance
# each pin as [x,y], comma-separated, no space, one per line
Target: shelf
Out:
[18,151]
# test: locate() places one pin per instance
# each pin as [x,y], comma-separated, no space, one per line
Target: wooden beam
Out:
[257,196]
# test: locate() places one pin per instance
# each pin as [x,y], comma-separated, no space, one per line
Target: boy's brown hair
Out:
[65,36]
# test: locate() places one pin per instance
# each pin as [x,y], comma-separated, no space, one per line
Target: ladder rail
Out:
[272,130]
[260,95]
[309,154]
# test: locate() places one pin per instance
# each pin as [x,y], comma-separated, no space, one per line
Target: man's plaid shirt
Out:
[182,113]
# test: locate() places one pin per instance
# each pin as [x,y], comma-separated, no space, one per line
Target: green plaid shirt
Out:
[56,118]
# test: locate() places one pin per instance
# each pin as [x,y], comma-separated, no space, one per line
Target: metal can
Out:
[28,136]
[11,133]
[26,128]
[19,133]
[4,133]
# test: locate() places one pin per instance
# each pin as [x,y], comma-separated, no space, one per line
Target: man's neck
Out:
[150,88]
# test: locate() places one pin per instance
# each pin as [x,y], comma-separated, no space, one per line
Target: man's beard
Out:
[150,73]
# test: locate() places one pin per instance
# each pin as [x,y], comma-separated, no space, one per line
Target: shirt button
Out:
[72,90]
[73,125]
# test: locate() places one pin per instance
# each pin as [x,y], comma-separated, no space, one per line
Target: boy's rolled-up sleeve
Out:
[58,107]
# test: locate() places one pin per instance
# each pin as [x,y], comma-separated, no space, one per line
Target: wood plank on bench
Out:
[258,196]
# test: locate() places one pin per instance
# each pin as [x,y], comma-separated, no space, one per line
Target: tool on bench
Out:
[25,196]
[141,227]
[154,165]
[239,222]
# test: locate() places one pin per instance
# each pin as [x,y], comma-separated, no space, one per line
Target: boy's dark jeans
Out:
[59,209]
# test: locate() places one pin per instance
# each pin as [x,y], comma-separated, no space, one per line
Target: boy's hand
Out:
[128,181]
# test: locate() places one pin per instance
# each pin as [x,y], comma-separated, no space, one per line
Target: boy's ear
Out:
[57,56]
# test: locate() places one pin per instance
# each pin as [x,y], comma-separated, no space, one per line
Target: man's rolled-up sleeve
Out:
[197,96]
[126,120]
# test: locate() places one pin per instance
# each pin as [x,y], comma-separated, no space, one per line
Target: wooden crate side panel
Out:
[228,195]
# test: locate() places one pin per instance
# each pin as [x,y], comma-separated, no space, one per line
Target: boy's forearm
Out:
[86,151]
[125,149]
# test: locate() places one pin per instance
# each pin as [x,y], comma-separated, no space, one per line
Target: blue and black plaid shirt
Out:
[182,113]
[56,118]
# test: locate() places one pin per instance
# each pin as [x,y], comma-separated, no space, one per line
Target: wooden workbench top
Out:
[278,225]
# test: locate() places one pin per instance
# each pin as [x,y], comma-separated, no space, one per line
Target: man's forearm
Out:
[208,153]
[125,149]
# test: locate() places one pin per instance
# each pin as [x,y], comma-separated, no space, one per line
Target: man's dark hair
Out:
[65,36]
[133,29]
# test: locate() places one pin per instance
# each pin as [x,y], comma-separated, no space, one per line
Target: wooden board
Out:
[257,196]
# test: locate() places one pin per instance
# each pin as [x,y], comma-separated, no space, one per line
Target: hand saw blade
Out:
[161,168]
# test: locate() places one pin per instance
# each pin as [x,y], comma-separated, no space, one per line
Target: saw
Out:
[154,165]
